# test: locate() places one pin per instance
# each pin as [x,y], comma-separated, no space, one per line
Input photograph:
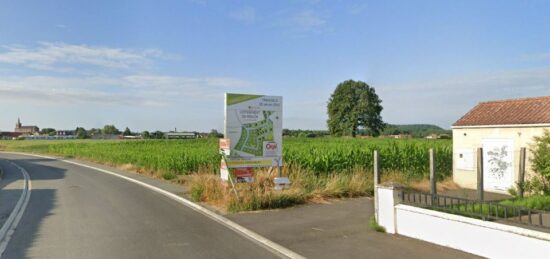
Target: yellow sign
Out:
[249,163]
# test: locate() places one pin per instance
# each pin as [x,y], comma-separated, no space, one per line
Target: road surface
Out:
[76,212]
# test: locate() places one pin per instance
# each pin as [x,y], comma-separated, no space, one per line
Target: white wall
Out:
[472,137]
[478,237]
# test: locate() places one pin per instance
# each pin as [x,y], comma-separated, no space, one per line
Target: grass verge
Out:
[374,225]
[306,186]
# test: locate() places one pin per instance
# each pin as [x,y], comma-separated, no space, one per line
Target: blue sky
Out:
[166,64]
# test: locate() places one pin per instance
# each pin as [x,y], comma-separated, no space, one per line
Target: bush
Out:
[540,164]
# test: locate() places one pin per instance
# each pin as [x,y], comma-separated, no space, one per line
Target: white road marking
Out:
[11,223]
[250,235]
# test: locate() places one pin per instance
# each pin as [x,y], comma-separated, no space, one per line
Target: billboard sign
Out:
[253,125]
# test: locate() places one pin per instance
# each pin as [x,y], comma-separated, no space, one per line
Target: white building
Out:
[501,128]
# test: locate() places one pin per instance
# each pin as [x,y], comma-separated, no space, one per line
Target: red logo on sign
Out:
[244,172]
[271,146]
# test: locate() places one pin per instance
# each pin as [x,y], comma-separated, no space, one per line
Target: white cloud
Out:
[245,14]
[443,101]
[59,56]
[305,21]
[133,89]
[537,57]
[358,8]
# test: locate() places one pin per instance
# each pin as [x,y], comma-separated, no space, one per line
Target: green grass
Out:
[478,211]
[538,202]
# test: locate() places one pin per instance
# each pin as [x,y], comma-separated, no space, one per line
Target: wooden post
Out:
[376,163]
[376,168]
[521,179]
[480,173]
[433,179]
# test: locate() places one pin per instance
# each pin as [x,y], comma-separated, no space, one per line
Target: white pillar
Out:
[387,198]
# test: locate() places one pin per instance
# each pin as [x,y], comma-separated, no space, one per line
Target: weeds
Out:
[374,225]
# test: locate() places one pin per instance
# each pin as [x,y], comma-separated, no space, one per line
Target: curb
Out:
[244,232]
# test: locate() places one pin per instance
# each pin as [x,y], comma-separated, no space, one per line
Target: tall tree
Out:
[48,131]
[354,104]
[110,130]
[81,133]
[157,134]
[127,132]
[146,134]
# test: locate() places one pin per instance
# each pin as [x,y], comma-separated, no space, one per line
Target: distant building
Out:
[181,135]
[65,133]
[10,135]
[402,136]
[47,137]
[29,130]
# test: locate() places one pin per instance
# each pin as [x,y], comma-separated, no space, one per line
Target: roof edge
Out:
[515,99]
[502,126]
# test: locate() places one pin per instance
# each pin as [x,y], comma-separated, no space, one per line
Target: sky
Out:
[151,65]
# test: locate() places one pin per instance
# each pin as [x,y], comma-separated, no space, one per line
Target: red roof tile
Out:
[508,112]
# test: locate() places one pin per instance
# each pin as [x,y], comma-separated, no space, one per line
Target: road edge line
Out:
[11,223]
[249,234]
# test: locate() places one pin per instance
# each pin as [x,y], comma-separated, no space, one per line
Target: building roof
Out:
[508,112]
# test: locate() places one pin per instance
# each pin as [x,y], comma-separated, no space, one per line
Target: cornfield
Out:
[320,155]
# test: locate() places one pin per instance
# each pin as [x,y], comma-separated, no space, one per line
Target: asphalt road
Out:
[76,212]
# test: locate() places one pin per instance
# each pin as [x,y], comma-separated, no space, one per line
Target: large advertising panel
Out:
[253,125]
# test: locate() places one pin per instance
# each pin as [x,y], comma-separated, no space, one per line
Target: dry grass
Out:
[306,187]
[424,185]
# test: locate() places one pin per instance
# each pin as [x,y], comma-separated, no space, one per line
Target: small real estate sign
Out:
[254,129]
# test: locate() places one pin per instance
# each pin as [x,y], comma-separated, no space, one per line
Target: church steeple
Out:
[18,124]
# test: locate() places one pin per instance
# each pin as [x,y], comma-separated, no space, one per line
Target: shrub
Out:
[540,164]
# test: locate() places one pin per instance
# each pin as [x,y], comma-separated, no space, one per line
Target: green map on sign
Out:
[254,134]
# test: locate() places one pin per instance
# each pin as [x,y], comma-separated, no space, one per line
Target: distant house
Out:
[181,135]
[28,130]
[65,132]
[132,137]
[501,128]
[10,135]
[402,136]
[438,136]
[47,137]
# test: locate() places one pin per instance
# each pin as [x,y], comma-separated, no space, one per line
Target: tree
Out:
[127,132]
[81,133]
[540,164]
[110,130]
[354,104]
[215,134]
[94,131]
[48,131]
[146,135]
[157,134]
